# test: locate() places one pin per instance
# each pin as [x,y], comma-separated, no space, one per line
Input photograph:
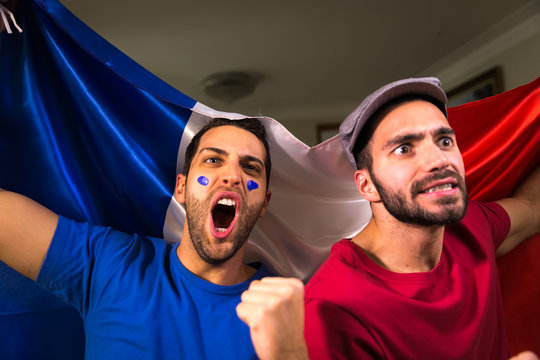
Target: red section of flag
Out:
[499,138]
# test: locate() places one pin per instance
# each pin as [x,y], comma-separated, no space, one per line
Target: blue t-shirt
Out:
[138,301]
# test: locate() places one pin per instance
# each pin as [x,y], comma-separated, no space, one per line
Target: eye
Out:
[211,160]
[252,169]
[446,141]
[403,149]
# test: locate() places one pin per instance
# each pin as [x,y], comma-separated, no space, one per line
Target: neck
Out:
[401,247]
[231,272]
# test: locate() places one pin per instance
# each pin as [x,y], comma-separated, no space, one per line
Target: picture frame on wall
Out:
[484,85]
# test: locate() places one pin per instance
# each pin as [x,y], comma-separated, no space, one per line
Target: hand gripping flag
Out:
[95,137]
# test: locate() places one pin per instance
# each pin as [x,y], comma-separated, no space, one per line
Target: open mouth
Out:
[224,215]
[442,187]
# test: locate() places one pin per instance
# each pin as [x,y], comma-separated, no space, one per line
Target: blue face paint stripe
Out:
[203,180]
[252,185]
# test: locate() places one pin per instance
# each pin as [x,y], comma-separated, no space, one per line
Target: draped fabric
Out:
[90,134]
[95,137]
[499,138]
[72,139]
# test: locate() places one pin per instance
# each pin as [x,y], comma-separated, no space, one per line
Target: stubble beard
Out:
[197,212]
[410,211]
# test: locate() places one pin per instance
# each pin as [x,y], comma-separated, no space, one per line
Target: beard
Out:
[408,210]
[196,213]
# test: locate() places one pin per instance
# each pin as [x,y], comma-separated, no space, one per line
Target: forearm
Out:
[523,208]
[529,190]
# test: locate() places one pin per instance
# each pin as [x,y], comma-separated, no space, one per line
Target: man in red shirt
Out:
[420,280]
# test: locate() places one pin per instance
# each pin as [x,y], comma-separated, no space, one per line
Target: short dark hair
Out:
[362,147]
[252,125]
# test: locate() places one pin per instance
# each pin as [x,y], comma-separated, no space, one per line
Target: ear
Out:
[365,185]
[266,201]
[180,189]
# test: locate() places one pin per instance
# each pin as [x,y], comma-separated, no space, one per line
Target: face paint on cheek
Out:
[203,180]
[252,185]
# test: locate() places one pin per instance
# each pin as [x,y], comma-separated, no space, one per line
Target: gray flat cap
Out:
[349,130]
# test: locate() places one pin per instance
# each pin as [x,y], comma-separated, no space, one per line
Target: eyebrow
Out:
[444,131]
[400,139]
[223,152]
[213,149]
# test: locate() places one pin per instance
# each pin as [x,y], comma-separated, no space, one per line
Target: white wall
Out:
[513,44]
[520,64]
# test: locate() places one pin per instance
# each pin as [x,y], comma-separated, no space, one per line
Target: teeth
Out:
[227,202]
[439,188]
[221,229]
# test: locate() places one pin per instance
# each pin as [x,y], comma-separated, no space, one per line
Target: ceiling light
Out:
[229,86]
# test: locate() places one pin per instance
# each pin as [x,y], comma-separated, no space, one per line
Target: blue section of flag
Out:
[88,133]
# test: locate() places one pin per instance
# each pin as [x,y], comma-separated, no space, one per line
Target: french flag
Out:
[92,135]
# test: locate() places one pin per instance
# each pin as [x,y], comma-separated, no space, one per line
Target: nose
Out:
[435,159]
[231,175]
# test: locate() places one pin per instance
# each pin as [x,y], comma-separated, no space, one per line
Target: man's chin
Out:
[218,250]
[449,215]
[216,257]
[439,216]
[452,207]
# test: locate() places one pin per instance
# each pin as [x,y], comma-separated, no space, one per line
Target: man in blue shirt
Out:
[142,298]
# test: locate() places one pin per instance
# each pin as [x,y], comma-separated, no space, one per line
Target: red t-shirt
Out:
[356,309]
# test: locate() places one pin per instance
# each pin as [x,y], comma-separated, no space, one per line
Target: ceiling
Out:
[315,59]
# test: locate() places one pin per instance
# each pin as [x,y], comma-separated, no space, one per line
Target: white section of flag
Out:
[314,200]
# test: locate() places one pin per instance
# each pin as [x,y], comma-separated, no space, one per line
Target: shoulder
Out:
[485,224]
[488,210]
[69,228]
[335,275]
[94,240]
[73,228]
[482,217]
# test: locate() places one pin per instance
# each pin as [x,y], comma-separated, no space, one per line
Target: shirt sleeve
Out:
[80,259]
[498,221]
[333,333]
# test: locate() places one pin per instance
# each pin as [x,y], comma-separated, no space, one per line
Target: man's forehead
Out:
[229,138]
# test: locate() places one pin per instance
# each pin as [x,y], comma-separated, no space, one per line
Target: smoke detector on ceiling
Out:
[229,86]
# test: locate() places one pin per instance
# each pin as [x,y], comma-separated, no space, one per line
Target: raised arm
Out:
[524,211]
[26,231]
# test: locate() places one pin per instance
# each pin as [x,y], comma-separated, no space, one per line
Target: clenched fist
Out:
[273,308]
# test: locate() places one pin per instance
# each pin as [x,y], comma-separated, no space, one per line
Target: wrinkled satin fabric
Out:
[92,135]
